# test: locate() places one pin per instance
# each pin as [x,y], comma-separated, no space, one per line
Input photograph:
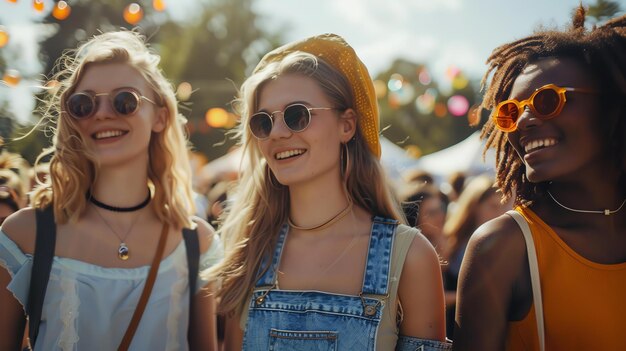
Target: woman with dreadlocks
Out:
[558,124]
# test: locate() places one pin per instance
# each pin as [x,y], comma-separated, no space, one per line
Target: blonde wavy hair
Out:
[73,168]
[261,205]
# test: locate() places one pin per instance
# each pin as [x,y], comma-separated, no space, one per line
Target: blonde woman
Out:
[119,193]
[316,258]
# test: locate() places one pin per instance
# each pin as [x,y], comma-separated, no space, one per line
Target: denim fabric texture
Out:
[408,343]
[313,320]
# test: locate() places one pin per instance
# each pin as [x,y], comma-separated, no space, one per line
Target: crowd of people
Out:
[106,245]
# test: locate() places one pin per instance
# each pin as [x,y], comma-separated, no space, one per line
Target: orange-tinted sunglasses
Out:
[545,103]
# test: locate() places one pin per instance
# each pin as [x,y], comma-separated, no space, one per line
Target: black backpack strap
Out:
[42,263]
[192,246]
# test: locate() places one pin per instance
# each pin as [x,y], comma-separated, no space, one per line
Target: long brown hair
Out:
[261,205]
[601,50]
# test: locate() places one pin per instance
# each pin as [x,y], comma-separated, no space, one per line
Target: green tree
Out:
[212,49]
[428,127]
[214,52]
[602,10]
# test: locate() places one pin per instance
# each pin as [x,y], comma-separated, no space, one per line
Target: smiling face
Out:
[118,138]
[309,155]
[569,144]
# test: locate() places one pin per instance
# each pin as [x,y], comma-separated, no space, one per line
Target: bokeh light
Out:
[392,100]
[61,10]
[13,1]
[424,76]
[404,95]
[380,88]
[452,72]
[440,110]
[184,90]
[12,77]
[413,151]
[38,5]
[460,81]
[458,105]
[133,13]
[473,117]
[4,37]
[158,5]
[216,117]
[395,82]
[425,103]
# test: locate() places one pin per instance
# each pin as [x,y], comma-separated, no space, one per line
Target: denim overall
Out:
[313,320]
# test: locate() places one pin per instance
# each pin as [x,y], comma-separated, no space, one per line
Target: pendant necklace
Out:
[123,252]
[606,212]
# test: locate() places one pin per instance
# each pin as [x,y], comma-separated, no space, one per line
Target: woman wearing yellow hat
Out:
[316,257]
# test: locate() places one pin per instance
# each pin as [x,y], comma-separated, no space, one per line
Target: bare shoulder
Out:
[489,295]
[421,262]
[206,233]
[420,291]
[21,228]
[497,241]
[421,254]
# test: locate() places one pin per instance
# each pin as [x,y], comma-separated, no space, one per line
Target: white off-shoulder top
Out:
[89,307]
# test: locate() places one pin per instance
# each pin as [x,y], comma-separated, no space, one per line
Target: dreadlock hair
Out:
[601,50]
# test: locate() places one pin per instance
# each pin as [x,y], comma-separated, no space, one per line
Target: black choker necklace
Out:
[102,205]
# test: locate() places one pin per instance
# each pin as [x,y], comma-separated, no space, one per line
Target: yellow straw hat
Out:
[335,51]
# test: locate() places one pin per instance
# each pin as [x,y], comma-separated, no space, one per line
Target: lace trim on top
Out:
[69,311]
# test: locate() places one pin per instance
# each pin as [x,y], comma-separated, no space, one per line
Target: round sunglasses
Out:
[297,118]
[545,103]
[124,101]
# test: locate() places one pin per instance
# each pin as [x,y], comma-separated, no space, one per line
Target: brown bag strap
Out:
[145,294]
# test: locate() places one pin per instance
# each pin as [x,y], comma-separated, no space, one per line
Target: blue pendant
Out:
[122,252]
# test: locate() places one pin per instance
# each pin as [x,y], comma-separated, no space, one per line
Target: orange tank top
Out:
[584,302]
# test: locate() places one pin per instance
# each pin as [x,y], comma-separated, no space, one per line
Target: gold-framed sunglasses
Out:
[297,118]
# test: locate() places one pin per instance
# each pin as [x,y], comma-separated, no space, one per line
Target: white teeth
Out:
[536,144]
[290,153]
[108,134]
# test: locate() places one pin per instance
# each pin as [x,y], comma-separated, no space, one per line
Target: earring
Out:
[273,181]
[344,161]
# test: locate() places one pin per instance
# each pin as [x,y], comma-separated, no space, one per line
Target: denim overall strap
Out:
[269,277]
[376,280]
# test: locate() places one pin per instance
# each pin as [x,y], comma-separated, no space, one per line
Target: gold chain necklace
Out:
[123,252]
[326,224]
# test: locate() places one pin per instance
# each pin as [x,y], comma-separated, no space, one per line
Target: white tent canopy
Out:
[466,157]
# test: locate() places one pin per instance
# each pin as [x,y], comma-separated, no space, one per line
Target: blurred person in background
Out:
[425,208]
[479,202]
[558,100]
[20,167]
[11,196]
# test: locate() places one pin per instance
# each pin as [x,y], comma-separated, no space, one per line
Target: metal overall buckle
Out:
[259,300]
[370,310]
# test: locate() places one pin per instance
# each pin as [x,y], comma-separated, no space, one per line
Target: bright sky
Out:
[440,33]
